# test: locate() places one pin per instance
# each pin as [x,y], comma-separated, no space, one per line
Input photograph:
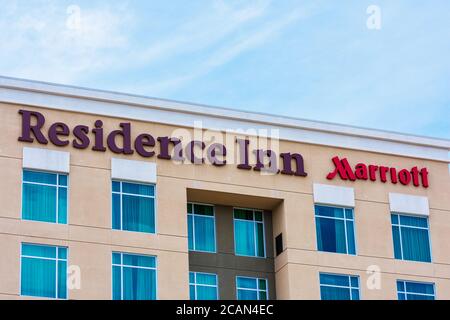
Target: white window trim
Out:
[57,186]
[120,193]
[345,219]
[400,226]
[350,287]
[193,214]
[258,290]
[405,292]
[121,266]
[56,259]
[204,285]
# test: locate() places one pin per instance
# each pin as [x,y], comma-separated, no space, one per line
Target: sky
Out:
[377,64]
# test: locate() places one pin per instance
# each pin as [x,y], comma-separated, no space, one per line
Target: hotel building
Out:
[113,196]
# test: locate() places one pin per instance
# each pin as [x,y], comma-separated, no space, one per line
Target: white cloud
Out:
[39,45]
[240,43]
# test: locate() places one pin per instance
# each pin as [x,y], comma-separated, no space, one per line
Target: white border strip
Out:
[334,195]
[183,114]
[405,203]
[45,159]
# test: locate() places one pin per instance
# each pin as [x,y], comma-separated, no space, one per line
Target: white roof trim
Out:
[135,107]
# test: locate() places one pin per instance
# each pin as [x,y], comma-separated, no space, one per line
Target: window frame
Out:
[250,289]
[44,258]
[398,214]
[350,287]
[418,294]
[121,265]
[120,193]
[57,186]
[203,285]
[193,225]
[345,219]
[254,232]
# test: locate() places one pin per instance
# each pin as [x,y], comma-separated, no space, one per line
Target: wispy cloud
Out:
[230,48]
[311,59]
[39,43]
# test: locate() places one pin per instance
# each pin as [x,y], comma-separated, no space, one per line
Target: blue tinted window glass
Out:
[394,219]
[39,177]
[417,287]
[204,278]
[415,244]
[42,275]
[411,239]
[138,260]
[62,253]
[354,282]
[401,286]
[350,237]
[337,287]
[334,293]
[330,212]
[62,279]
[204,233]
[247,294]
[349,213]
[116,258]
[39,202]
[38,251]
[259,239]
[138,214]
[190,233]
[62,205]
[138,189]
[116,212]
[331,235]
[192,292]
[413,221]
[336,280]
[62,180]
[139,284]
[134,280]
[244,237]
[397,242]
[117,283]
[335,233]
[249,283]
[418,297]
[116,186]
[415,290]
[206,293]
[38,277]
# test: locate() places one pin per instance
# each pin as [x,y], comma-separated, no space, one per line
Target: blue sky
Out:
[308,59]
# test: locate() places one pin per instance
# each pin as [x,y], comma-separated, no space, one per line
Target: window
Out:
[335,230]
[203,286]
[201,227]
[249,232]
[44,196]
[251,288]
[133,207]
[339,287]
[407,290]
[411,238]
[134,277]
[43,271]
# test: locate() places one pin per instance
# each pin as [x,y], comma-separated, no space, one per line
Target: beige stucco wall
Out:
[91,240]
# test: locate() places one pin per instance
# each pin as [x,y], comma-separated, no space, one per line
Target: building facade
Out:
[113,196]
